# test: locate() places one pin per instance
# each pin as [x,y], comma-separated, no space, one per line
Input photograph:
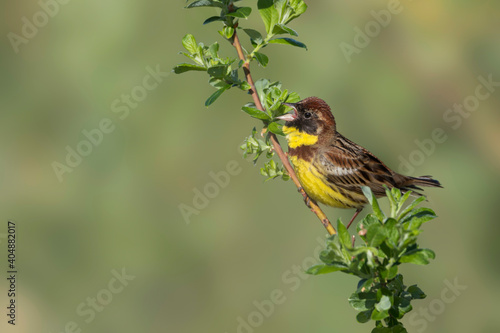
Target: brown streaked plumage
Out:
[331,168]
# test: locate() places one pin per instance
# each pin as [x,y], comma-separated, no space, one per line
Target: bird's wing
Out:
[350,166]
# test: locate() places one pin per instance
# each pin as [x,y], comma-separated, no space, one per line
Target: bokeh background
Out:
[120,207]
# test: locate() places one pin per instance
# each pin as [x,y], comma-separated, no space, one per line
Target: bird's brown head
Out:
[311,115]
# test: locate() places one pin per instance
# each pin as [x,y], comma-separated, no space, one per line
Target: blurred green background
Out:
[120,207]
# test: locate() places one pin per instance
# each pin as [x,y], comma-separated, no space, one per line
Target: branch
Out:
[274,140]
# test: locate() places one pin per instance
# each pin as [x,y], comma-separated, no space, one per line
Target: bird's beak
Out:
[289,116]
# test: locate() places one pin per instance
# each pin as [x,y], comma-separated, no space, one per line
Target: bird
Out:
[333,169]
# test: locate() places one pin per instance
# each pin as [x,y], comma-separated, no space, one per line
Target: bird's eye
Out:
[307,115]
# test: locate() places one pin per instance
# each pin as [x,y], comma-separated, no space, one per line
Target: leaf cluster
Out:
[276,15]
[224,73]
[255,146]
[388,242]
[272,98]
[207,59]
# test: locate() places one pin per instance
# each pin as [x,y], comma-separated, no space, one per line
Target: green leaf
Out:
[329,255]
[245,86]
[338,262]
[261,58]
[416,217]
[367,221]
[404,198]
[375,234]
[364,284]
[218,72]
[214,50]
[393,329]
[256,113]
[299,7]
[392,201]
[363,301]
[205,3]
[363,263]
[411,206]
[216,83]
[396,193]
[288,41]
[373,202]
[396,284]
[402,305]
[364,249]
[324,269]
[392,232]
[334,252]
[379,315]
[418,257]
[271,170]
[261,85]
[384,303]
[268,13]
[192,57]
[227,32]
[276,128]
[416,292]
[233,74]
[283,29]
[254,35]
[390,273]
[242,12]
[292,97]
[344,237]
[364,317]
[387,252]
[216,95]
[399,329]
[189,43]
[182,68]
[213,19]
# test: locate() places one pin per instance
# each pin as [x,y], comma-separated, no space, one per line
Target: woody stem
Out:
[274,140]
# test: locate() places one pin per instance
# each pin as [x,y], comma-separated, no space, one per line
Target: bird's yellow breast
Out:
[311,178]
[317,186]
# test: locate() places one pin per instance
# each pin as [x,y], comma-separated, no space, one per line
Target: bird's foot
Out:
[354,216]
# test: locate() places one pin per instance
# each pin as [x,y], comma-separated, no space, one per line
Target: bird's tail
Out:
[415,182]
